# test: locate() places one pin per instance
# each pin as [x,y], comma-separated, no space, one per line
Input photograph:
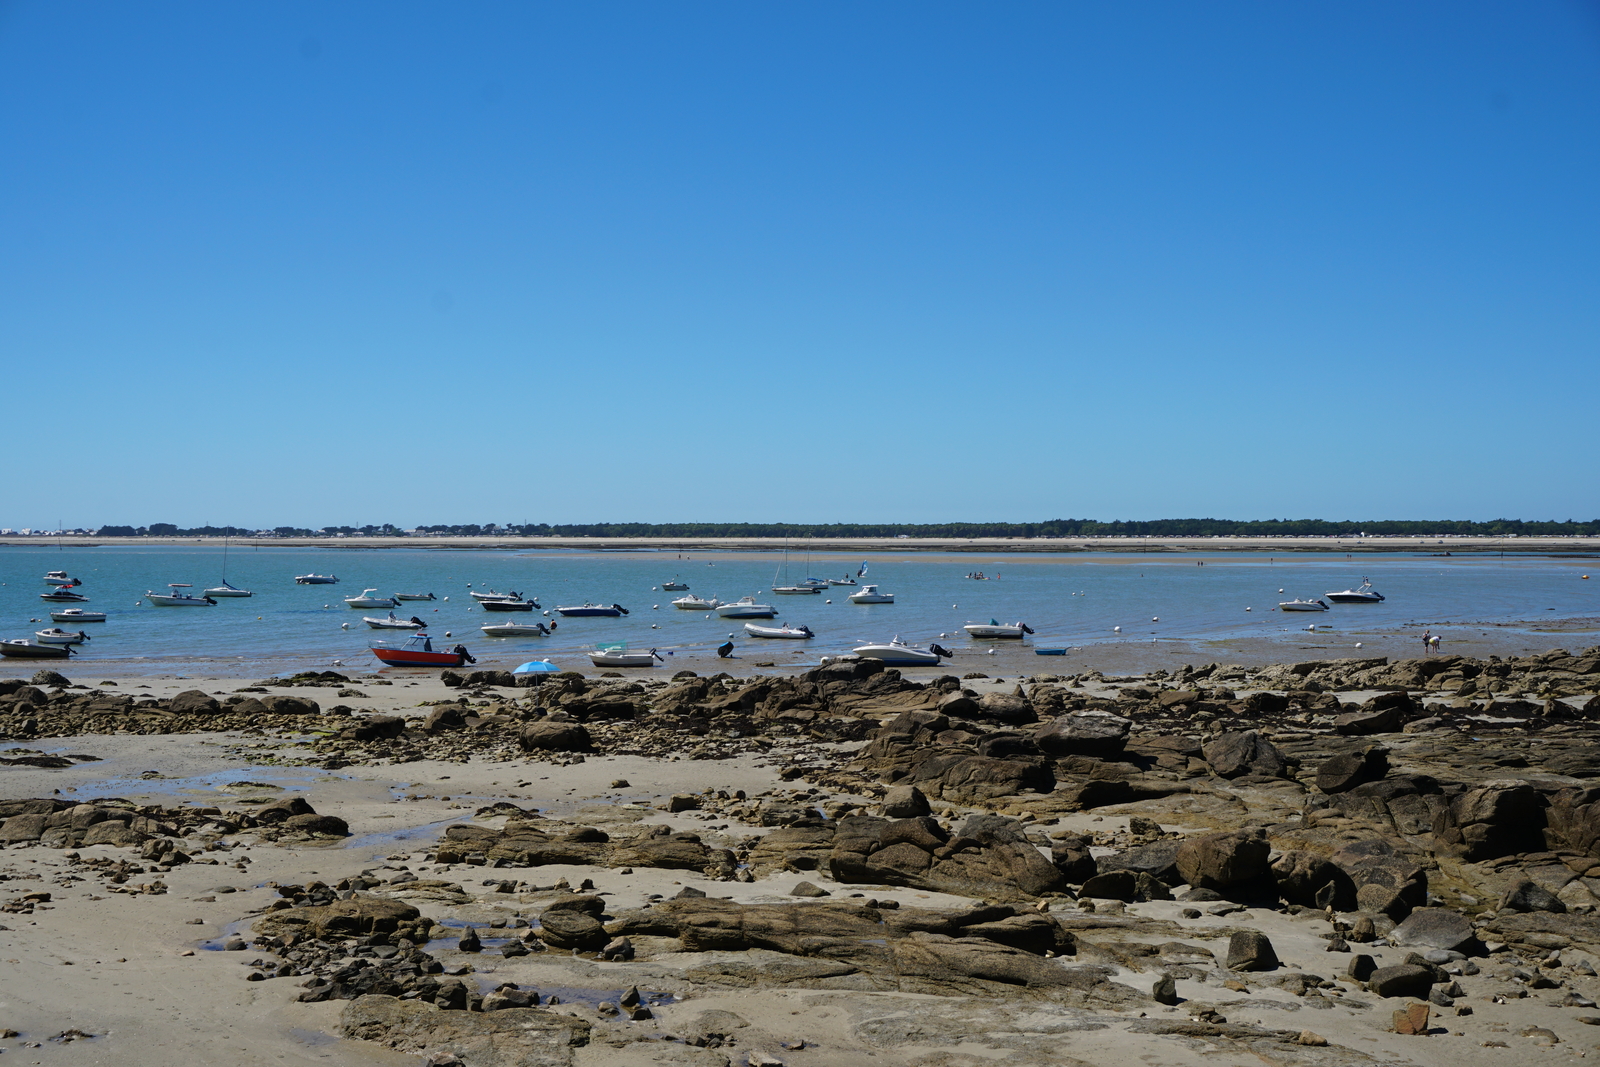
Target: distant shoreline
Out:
[1458,545]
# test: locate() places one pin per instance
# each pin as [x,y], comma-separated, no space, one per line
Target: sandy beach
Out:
[152,959]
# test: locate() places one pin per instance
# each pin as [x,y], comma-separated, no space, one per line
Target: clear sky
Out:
[350,263]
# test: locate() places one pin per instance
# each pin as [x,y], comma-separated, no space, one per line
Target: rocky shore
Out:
[1341,861]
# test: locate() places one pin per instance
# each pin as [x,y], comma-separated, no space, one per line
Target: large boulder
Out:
[1313,881]
[1233,755]
[1344,772]
[50,678]
[193,702]
[358,916]
[568,928]
[1224,860]
[1383,714]
[1495,819]
[1401,980]
[1159,859]
[1087,733]
[548,736]
[1436,928]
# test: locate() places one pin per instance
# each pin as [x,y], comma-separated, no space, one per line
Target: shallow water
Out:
[1069,599]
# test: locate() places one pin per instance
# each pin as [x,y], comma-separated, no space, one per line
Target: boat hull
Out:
[403,657]
[393,624]
[748,611]
[626,659]
[375,602]
[316,579]
[508,605]
[513,629]
[161,600]
[64,598]
[896,656]
[415,596]
[1355,598]
[1301,605]
[229,591]
[688,604]
[795,590]
[1049,652]
[874,598]
[995,632]
[590,613]
[782,632]
[45,637]
[30,650]
[68,616]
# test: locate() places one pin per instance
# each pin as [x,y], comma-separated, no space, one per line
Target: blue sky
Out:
[395,262]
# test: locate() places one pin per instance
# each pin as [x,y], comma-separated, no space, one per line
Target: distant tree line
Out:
[1064,528]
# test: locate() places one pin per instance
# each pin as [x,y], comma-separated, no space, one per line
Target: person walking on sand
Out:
[1427,640]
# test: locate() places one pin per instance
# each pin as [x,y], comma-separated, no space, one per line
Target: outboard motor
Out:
[725,649]
[461,650]
[208,600]
[620,608]
[542,630]
[940,650]
[1027,629]
[418,621]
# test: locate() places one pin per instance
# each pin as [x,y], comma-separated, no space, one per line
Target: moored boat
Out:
[393,622]
[60,578]
[996,628]
[63,594]
[77,615]
[176,599]
[367,601]
[415,596]
[1361,594]
[896,653]
[583,611]
[870,595]
[695,603]
[796,590]
[418,651]
[620,656]
[795,633]
[515,629]
[1299,604]
[746,608]
[316,579]
[21,648]
[674,586]
[227,590]
[508,604]
[55,635]
[846,580]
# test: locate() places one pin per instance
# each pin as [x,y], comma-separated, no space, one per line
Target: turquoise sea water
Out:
[1068,599]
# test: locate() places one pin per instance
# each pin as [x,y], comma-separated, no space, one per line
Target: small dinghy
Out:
[675,586]
[417,651]
[415,596]
[63,594]
[19,648]
[516,629]
[620,656]
[227,590]
[394,622]
[176,599]
[60,578]
[794,633]
[582,611]
[996,628]
[1049,652]
[57,636]
[316,579]
[897,653]
[366,600]
[746,608]
[1362,594]
[1302,605]
[869,595]
[77,615]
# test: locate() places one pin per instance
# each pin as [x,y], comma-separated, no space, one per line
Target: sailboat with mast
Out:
[225,589]
[786,589]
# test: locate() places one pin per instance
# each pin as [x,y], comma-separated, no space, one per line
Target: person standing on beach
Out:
[1427,640]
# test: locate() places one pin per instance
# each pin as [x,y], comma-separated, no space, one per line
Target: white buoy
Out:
[827,602]
[447,633]
[1247,609]
[1358,644]
[655,626]
[344,626]
[991,652]
[652,589]
[1312,627]
[655,607]
[1280,590]
[1116,629]
[955,605]
[446,600]
[1155,618]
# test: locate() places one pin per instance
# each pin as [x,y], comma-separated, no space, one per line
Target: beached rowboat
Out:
[418,651]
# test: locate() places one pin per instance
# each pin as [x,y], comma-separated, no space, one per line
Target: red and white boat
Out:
[417,651]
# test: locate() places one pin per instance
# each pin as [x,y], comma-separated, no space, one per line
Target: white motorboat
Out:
[675,586]
[794,633]
[842,581]
[508,604]
[57,636]
[415,596]
[178,600]
[366,600]
[869,595]
[494,595]
[746,608]
[394,622]
[995,628]
[21,648]
[620,656]
[1302,605]
[316,579]
[516,629]
[227,590]
[1362,594]
[63,594]
[77,615]
[897,653]
[592,611]
[695,603]
[60,578]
